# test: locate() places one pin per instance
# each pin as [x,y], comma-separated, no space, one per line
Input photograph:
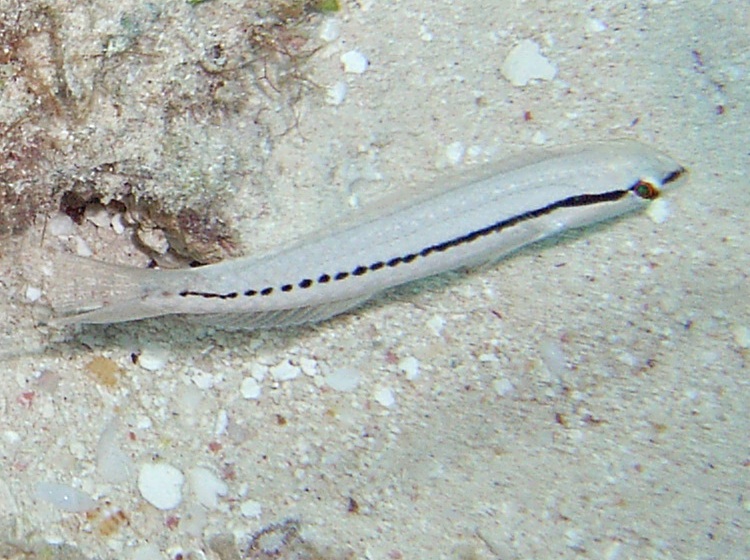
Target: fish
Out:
[463,222]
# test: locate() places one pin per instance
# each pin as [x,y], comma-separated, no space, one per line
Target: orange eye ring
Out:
[646,190]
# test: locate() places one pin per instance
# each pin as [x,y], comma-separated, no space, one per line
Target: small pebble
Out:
[613,551]
[33,293]
[153,239]
[146,552]
[112,464]
[160,485]
[284,371]
[553,356]
[251,508]
[258,371]
[309,366]
[658,210]
[187,397]
[117,224]
[330,30]
[60,225]
[343,379]
[410,366]
[503,387]
[222,423]
[153,358]
[436,324]
[193,521]
[64,497]
[82,248]
[385,396]
[97,214]
[207,487]
[425,34]
[455,152]
[525,62]
[11,437]
[539,138]
[250,388]
[594,25]
[204,381]
[337,93]
[741,335]
[354,62]
[574,540]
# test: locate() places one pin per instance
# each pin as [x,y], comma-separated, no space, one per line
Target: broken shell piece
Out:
[153,239]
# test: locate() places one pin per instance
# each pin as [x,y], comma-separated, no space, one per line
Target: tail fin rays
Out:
[86,290]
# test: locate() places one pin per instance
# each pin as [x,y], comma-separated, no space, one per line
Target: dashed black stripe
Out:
[573,201]
[230,295]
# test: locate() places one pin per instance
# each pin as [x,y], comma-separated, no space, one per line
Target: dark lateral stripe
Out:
[360,270]
[676,174]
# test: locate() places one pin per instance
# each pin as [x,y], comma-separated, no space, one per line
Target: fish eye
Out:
[645,189]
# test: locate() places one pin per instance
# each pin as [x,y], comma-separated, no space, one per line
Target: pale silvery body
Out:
[500,208]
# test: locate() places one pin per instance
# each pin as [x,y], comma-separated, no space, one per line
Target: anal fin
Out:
[275,319]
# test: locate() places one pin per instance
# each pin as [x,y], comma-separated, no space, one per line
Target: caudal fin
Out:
[81,290]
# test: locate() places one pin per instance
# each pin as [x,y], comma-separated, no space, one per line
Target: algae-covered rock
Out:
[166,106]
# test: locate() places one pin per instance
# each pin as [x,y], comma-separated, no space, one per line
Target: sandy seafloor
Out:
[583,399]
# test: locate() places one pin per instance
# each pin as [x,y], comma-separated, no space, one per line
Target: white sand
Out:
[583,399]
